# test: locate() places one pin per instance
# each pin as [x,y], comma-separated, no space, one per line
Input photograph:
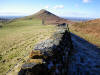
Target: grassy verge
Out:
[18,38]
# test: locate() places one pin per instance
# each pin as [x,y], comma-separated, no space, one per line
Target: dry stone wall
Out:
[62,54]
[50,57]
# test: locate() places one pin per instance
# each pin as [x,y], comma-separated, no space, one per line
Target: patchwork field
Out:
[18,38]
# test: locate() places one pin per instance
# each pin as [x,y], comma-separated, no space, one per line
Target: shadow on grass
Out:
[84,43]
[85,59]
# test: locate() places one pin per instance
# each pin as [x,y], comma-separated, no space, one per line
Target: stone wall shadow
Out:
[85,58]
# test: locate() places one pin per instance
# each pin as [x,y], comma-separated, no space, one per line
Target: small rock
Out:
[28,65]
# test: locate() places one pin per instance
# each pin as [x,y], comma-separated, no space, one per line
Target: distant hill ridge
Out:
[94,21]
[48,17]
[44,14]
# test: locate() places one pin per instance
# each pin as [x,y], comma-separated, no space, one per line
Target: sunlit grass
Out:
[18,38]
[87,31]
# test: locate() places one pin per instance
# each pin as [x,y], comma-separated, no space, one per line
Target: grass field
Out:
[89,31]
[18,38]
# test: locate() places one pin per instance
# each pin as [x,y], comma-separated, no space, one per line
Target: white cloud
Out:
[46,7]
[86,1]
[58,6]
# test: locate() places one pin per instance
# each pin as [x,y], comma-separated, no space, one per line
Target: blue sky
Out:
[69,8]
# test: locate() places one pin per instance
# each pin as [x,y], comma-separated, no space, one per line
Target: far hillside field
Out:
[18,38]
[89,30]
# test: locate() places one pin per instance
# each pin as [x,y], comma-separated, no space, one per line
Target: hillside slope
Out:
[17,39]
[90,30]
